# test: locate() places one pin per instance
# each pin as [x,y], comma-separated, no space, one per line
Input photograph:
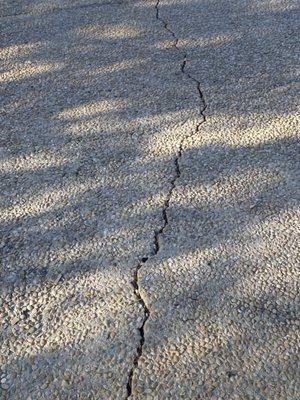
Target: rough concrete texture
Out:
[150,189]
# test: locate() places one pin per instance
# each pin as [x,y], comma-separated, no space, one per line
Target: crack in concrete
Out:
[135,284]
[158,233]
[183,67]
[181,144]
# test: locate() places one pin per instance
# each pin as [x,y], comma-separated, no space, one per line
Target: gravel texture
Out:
[149,200]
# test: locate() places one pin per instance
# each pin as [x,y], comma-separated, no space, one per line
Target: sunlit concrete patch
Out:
[47,201]
[92,109]
[27,70]
[16,51]
[32,162]
[118,66]
[120,31]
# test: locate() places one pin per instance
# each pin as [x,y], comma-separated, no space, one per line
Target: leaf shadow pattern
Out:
[95,106]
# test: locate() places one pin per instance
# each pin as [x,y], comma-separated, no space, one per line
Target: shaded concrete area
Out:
[149,200]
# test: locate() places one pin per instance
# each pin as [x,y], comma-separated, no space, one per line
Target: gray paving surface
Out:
[149,200]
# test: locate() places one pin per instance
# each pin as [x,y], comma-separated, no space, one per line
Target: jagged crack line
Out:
[181,144]
[183,65]
[158,233]
[136,288]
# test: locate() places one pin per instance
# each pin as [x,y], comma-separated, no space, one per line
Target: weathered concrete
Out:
[149,216]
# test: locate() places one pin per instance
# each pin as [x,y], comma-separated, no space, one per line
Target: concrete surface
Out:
[149,200]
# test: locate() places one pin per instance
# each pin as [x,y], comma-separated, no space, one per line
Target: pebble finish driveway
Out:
[149,200]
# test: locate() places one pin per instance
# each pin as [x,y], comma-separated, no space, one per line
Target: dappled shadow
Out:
[95,107]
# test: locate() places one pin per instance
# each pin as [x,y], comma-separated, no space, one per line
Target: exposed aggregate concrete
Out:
[94,109]
[146,254]
[224,289]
